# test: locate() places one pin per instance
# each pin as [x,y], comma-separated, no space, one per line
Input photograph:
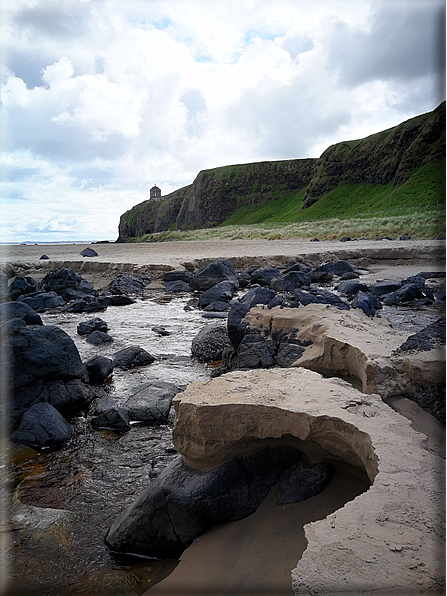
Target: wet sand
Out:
[254,556]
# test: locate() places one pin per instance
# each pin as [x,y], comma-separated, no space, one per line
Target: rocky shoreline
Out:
[305,314]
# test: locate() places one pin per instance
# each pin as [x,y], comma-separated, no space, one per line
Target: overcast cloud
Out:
[101,99]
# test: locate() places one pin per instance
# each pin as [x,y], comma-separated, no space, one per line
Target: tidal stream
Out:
[64,501]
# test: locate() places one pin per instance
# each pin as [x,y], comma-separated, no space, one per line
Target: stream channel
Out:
[63,502]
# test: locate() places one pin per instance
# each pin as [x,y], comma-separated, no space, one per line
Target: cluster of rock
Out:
[239,346]
[45,376]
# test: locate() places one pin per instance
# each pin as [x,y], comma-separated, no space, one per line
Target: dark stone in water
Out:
[99,369]
[19,310]
[42,301]
[182,503]
[150,403]
[99,338]
[96,324]
[209,343]
[301,482]
[131,357]
[42,426]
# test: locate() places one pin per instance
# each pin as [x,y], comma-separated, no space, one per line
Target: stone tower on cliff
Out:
[155,193]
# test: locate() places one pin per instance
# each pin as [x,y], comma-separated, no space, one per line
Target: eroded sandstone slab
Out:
[391,537]
[350,344]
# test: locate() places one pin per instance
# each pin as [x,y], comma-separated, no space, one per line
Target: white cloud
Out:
[102,98]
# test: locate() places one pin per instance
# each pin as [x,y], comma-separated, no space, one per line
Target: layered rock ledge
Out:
[388,540]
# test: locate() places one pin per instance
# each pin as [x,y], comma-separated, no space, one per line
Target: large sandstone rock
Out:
[351,344]
[389,539]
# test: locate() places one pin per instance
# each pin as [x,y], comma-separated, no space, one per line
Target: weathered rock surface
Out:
[132,356]
[42,426]
[68,284]
[182,502]
[391,537]
[150,403]
[209,343]
[99,369]
[209,275]
[127,283]
[41,301]
[350,344]
[96,324]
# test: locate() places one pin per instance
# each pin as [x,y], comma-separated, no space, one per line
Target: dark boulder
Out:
[432,336]
[67,396]
[208,276]
[117,300]
[42,301]
[99,338]
[288,354]
[243,279]
[320,296]
[178,275]
[99,369]
[182,503]
[131,357]
[236,326]
[349,275]
[87,304]
[257,295]
[255,351]
[290,281]
[19,310]
[301,482]
[88,252]
[21,286]
[217,307]
[381,288]
[149,403]
[342,267]
[322,274]
[68,284]
[351,287]
[366,302]
[128,283]
[96,324]
[177,286]
[161,331]
[109,415]
[221,292]
[43,352]
[264,276]
[406,293]
[209,343]
[42,426]
[44,257]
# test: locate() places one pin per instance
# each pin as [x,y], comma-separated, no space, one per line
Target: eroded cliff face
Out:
[388,156]
[215,195]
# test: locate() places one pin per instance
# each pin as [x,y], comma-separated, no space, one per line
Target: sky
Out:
[102,99]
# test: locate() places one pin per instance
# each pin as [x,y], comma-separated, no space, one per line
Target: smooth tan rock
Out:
[351,344]
[391,537]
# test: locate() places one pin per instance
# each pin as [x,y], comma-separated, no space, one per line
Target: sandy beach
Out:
[389,257]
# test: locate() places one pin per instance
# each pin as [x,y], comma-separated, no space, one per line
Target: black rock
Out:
[381,288]
[181,275]
[42,301]
[44,257]
[177,286]
[88,252]
[301,482]
[131,357]
[67,284]
[182,503]
[236,326]
[42,426]
[345,239]
[351,287]
[255,351]
[209,343]
[366,302]
[87,304]
[342,267]
[111,416]
[322,274]
[432,336]
[264,276]
[349,275]
[96,324]
[208,276]
[217,307]
[220,292]
[290,281]
[128,283]
[99,338]
[406,293]
[257,295]
[117,300]
[99,369]
[19,310]
[314,240]
[161,331]
[149,403]
[243,278]
[21,286]
[288,354]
